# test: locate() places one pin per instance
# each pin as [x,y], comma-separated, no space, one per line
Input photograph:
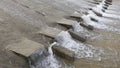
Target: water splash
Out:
[77,28]
[46,59]
[81,30]
[99,8]
[86,51]
[50,61]
[114,7]
[86,19]
[112,12]
[100,24]
[114,16]
[81,50]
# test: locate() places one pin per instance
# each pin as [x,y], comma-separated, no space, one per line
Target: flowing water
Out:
[89,52]
[102,48]
[46,59]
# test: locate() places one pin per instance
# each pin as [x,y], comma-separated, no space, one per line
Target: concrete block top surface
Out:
[66,22]
[26,47]
[49,31]
[64,50]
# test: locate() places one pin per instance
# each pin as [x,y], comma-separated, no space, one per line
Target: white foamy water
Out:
[86,19]
[79,29]
[112,12]
[81,50]
[115,16]
[99,8]
[87,51]
[114,7]
[48,61]
[101,22]
[94,16]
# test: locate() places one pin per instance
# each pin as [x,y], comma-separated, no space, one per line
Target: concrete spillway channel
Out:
[70,44]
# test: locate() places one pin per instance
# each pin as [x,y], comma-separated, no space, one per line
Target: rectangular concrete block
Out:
[25,47]
[49,31]
[87,26]
[66,22]
[77,36]
[64,53]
